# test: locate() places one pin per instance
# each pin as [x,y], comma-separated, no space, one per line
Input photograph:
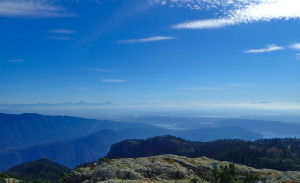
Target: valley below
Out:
[179,149]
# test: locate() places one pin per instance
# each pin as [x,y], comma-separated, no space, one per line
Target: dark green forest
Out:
[279,154]
[40,171]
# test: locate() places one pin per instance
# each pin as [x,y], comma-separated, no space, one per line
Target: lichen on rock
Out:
[167,169]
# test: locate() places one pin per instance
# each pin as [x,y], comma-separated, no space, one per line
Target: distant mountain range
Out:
[29,129]
[63,139]
[71,141]
[267,128]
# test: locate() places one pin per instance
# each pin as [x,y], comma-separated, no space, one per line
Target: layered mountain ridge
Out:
[71,140]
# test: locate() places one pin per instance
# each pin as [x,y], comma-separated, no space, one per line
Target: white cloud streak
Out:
[63,38]
[203,88]
[242,84]
[146,40]
[224,87]
[97,69]
[205,24]
[62,31]
[113,80]
[17,60]
[269,48]
[79,88]
[32,8]
[295,46]
[247,11]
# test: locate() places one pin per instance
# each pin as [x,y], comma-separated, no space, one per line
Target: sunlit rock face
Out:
[167,168]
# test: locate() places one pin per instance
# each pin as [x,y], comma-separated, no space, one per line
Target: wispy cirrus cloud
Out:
[32,8]
[112,80]
[205,24]
[204,88]
[62,31]
[298,56]
[79,88]
[17,60]
[269,48]
[235,12]
[97,69]
[242,84]
[295,46]
[222,87]
[146,40]
[63,38]
[273,47]
[61,34]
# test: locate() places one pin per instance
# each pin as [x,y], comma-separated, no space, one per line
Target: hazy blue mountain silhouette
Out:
[71,141]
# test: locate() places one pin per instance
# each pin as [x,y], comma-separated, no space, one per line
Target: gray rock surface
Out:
[167,169]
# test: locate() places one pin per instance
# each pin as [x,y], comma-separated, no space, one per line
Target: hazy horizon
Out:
[83,82]
[152,55]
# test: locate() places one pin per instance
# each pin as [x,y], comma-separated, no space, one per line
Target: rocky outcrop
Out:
[12,180]
[165,169]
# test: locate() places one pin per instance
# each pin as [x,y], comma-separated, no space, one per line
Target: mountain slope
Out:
[89,148]
[170,169]
[73,152]
[68,153]
[42,169]
[72,141]
[280,154]
[29,129]
[270,129]
[267,128]
[210,134]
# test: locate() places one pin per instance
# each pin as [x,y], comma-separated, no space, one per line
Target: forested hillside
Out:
[39,171]
[280,154]
[71,141]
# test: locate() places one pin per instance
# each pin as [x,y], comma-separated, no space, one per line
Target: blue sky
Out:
[191,52]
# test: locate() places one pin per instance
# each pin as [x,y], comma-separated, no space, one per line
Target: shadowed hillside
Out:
[71,141]
[42,169]
[280,154]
